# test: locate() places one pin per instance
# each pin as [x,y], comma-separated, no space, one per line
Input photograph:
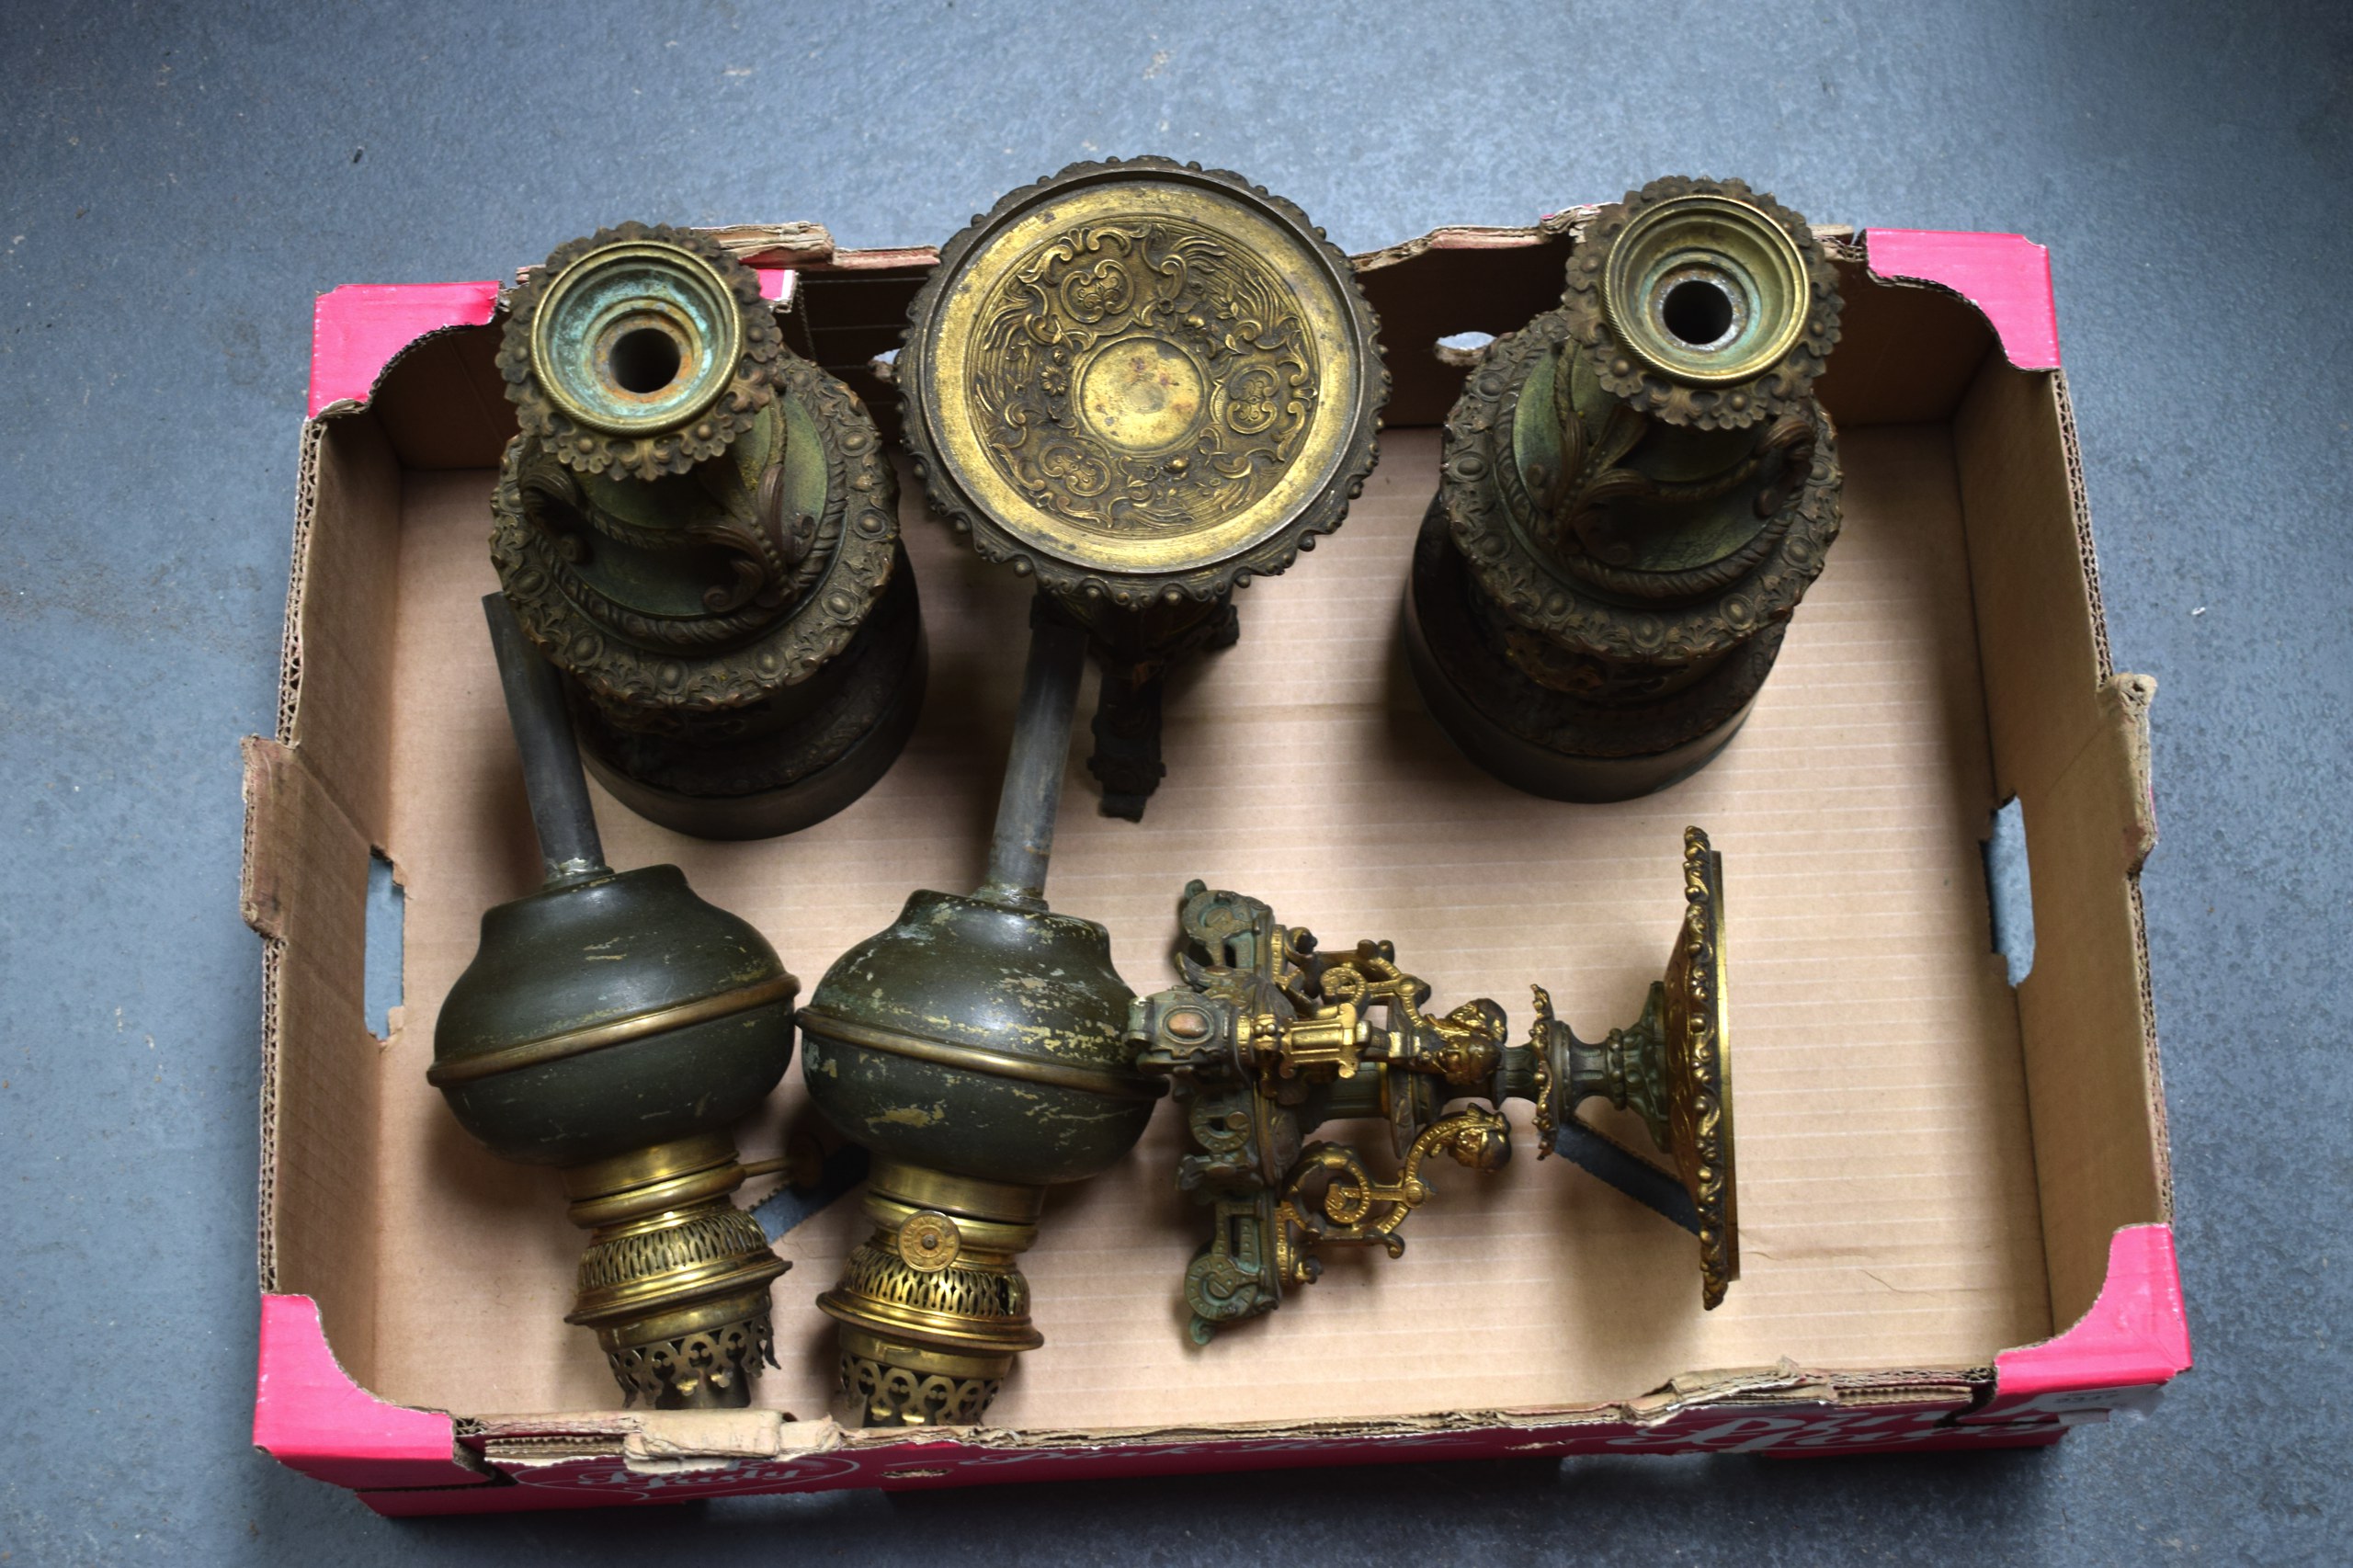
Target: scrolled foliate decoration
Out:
[1270,1035]
[1700,1074]
[1167,369]
[1139,377]
[1521,560]
[622,658]
[1636,491]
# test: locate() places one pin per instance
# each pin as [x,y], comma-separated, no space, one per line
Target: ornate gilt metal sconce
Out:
[975,1048]
[1637,490]
[1145,383]
[701,529]
[615,1025]
[1270,1038]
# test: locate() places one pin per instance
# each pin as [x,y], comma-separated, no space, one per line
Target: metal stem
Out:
[1033,773]
[552,775]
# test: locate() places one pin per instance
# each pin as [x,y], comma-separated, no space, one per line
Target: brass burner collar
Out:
[743,1281]
[916,1358]
[675,1280]
[659,1161]
[932,1307]
[978,1241]
[915,1187]
[913,1325]
[646,1182]
[700,1317]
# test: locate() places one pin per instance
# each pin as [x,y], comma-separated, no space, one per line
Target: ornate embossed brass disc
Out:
[1141,371]
[1145,383]
[700,529]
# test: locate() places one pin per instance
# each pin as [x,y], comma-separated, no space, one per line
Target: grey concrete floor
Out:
[178,181]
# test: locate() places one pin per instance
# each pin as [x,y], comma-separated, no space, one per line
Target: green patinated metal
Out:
[615,1027]
[596,951]
[1636,490]
[1270,1039]
[976,1047]
[1018,991]
[700,529]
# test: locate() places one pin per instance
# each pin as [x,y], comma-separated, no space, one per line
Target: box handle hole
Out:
[2009,890]
[379,985]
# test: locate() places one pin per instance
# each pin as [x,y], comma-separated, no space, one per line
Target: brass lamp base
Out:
[676,1277]
[1636,491]
[932,1308]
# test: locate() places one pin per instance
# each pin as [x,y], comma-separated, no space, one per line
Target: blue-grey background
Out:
[178,182]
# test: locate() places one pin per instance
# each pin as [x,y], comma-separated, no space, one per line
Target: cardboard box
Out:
[1954,1194]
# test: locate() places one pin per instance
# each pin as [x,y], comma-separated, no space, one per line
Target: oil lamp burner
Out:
[1142,383]
[975,1048]
[1270,1038]
[700,529]
[614,1026]
[1636,491]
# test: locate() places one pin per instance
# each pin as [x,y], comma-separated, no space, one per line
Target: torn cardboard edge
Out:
[771,1434]
[2006,277]
[363,332]
[358,330]
[311,1416]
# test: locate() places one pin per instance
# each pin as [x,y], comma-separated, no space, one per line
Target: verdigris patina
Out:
[1636,491]
[700,529]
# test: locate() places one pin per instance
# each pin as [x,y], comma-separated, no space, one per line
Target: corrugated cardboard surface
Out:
[1887,1196]
[2070,743]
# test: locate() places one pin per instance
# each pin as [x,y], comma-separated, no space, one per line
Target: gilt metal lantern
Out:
[700,529]
[1637,490]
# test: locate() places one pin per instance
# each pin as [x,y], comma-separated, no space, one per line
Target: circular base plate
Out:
[1142,379]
